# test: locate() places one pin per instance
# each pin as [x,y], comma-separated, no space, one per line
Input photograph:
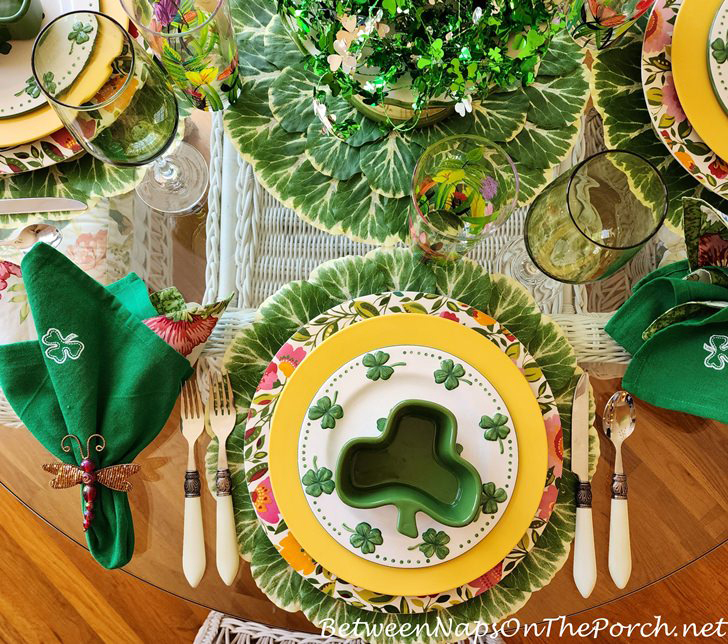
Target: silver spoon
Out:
[618,424]
[32,234]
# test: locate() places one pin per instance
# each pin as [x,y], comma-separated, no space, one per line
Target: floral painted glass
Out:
[132,120]
[463,188]
[592,220]
[597,24]
[195,41]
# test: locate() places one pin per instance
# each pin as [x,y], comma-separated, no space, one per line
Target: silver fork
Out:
[193,539]
[221,410]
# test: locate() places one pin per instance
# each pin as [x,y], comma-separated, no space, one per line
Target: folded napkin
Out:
[96,369]
[675,325]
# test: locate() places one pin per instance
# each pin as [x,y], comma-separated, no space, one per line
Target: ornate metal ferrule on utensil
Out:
[584,495]
[619,486]
[192,483]
[223,483]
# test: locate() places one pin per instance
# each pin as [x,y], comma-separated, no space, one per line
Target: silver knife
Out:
[39,204]
[585,563]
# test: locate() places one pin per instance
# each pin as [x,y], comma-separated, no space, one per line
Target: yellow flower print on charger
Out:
[296,556]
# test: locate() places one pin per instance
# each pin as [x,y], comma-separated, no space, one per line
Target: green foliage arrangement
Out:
[441,51]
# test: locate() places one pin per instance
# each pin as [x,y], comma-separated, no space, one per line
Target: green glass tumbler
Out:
[592,220]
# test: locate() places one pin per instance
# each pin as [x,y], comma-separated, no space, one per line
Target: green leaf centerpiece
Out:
[415,466]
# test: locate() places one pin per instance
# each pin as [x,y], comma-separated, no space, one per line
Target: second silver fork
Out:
[221,408]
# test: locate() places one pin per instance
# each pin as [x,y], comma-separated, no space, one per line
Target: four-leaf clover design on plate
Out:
[327,410]
[365,538]
[79,34]
[378,369]
[318,481]
[450,374]
[496,428]
[60,348]
[491,497]
[433,543]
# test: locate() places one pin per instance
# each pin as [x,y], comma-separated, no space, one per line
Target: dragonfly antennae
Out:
[68,448]
[99,447]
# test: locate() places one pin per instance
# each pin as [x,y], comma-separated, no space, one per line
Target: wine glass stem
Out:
[166,173]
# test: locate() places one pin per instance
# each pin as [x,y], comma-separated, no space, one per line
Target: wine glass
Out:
[195,41]
[598,24]
[116,103]
[463,188]
[591,221]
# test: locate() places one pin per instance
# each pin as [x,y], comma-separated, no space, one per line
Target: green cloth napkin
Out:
[681,365]
[96,368]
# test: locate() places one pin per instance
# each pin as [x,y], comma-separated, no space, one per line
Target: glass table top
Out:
[677,467]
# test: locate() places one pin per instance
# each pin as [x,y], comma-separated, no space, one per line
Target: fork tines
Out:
[192,406]
[221,396]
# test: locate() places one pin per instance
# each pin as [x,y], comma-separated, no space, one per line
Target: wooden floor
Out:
[52,591]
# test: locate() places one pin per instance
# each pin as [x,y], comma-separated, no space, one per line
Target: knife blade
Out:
[585,563]
[29,205]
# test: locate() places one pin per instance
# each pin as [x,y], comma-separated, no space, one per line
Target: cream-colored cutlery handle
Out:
[620,549]
[228,557]
[193,542]
[585,561]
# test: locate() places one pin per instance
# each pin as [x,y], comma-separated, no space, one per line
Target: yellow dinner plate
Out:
[692,76]
[425,331]
[34,125]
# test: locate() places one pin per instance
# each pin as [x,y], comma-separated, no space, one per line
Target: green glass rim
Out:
[95,106]
[484,143]
[181,34]
[575,171]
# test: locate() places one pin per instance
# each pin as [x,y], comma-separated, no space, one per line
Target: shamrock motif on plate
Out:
[318,480]
[365,538]
[31,88]
[327,410]
[433,543]
[450,375]
[59,348]
[719,50]
[378,369]
[79,34]
[491,497]
[496,428]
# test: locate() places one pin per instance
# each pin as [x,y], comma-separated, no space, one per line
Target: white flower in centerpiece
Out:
[342,58]
[322,113]
[465,106]
[477,14]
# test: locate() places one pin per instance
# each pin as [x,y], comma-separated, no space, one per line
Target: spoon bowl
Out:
[30,235]
[620,418]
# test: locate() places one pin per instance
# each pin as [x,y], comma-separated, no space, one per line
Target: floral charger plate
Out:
[54,148]
[355,402]
[272,384]
[663,104]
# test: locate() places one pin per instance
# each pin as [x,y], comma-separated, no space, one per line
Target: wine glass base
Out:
[176,183]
